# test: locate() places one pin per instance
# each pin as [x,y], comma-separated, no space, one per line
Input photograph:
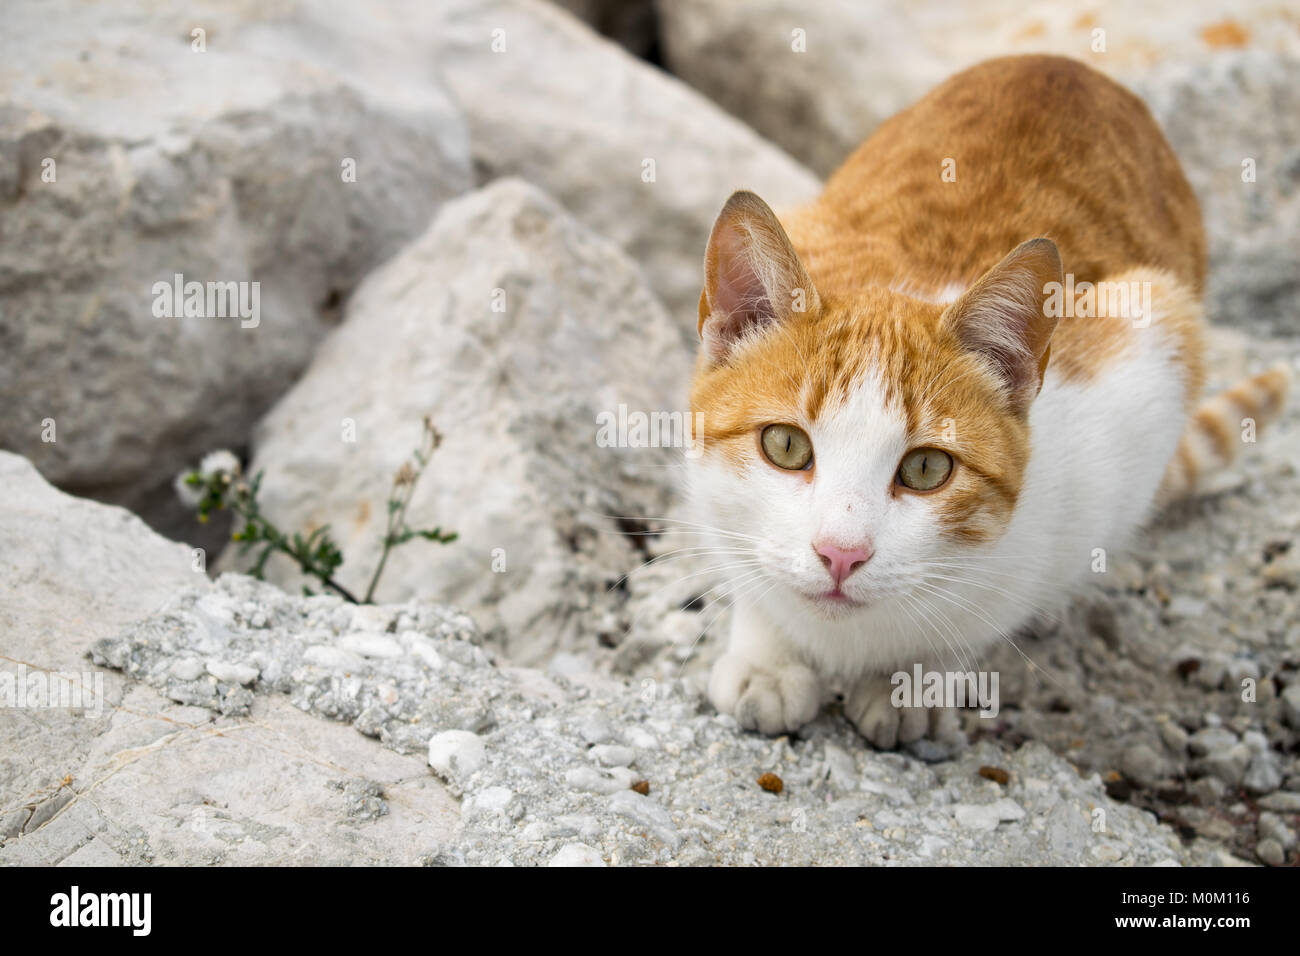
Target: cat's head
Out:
[853,443]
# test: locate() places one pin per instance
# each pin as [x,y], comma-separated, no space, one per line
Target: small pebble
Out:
[613,755]
[576,854]
[456,751]
[1270,851]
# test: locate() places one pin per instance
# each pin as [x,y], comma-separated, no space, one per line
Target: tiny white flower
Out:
[217,462]
[190,495]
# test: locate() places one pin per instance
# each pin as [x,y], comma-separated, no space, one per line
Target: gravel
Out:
[543,763]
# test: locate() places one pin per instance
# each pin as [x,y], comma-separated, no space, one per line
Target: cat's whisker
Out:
[954,599]
[749,587]
[954,631]
[913,609]
[1014,598]
[747,566]
[701,551]
[733,589]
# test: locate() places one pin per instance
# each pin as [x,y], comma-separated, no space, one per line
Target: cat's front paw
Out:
[771,698]
[870,707]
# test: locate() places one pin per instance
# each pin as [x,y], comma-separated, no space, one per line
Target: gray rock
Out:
[1282,801]
[223,166]
[1144,766]
[666,157]
[1291,705]
[1173,736]
[1271,826]
[1263,775]
[515,329]
[819,91]
[1228,764]
[1211,739]
[1270,851]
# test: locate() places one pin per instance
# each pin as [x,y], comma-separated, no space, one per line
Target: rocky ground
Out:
[518,253]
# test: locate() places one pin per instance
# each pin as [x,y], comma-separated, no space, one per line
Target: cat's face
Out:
[858,445]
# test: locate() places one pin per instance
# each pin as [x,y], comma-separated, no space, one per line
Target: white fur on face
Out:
[850,502]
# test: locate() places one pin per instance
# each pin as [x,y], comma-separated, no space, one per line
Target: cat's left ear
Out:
[753,278]
[1006,319]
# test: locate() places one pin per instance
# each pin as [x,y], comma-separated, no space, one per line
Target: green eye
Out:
[924,469]
[787,447]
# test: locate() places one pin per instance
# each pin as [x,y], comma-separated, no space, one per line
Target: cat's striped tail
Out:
[1220,427]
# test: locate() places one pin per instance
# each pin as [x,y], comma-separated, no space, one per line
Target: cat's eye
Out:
[924,469]
[786,447]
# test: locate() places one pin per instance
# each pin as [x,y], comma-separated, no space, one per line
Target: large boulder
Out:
[815,78]
[632,152]
[515,329]
[109,772]
[128,155]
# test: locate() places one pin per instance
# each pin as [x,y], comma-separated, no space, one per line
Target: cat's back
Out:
[1011,149]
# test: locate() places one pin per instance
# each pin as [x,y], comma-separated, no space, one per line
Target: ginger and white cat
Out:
[915,432]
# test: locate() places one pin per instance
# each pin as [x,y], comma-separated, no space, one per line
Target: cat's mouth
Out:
[835,599]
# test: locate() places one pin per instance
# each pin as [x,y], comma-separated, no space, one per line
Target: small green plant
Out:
[218,483]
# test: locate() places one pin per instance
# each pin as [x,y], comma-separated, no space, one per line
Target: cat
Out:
[918,425]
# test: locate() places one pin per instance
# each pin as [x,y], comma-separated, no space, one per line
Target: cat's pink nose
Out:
[842,562]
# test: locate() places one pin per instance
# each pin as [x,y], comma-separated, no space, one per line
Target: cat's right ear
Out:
[753,278]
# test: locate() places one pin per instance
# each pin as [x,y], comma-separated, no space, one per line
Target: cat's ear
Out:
[753,278]
[1005,317]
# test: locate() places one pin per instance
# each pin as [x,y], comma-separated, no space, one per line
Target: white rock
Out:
[232,673]
[987,816]
[189,668]
[640,738]
[592,780]
[371,645]
[457,752]
[595,729]
[613,755]
[576,854]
